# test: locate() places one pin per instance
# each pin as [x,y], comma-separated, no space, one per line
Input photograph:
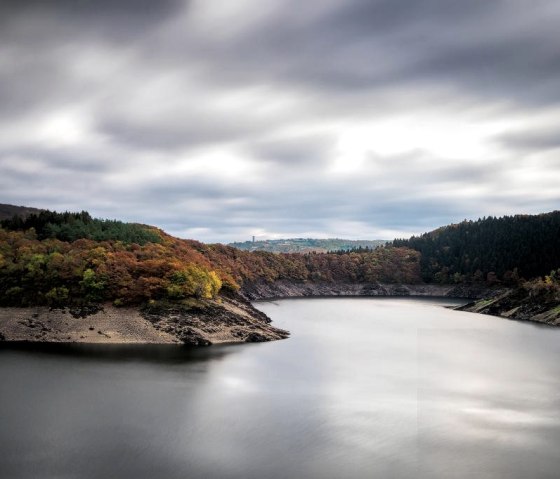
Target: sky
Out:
[220,120]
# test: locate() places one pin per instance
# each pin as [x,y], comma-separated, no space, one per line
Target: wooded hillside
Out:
[60,258]
[489,249]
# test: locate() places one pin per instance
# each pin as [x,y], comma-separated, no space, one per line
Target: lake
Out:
[364,388]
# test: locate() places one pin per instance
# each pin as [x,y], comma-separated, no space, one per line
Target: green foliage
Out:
[176,291]
[73,226]
[92,286]
[490,249]
[14,294]
[57,296]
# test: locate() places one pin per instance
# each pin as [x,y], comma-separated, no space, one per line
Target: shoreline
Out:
[282,289]
[231,318]
[224,321]
[499,302]
[509,304]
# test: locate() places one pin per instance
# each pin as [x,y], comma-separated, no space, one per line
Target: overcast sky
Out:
[218,120]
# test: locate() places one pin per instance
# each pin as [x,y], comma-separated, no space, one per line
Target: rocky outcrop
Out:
[518,304]
[232,319]
[290,289]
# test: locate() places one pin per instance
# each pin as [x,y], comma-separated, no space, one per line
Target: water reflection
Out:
[153,353]
[363,388]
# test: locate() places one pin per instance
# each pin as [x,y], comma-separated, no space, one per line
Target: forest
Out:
[73,226]
[490,249]
[69,258]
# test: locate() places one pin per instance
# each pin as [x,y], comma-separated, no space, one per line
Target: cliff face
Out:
[291,289]
[518,304]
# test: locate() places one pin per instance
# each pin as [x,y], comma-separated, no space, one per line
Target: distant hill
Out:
[9,211]
[307,245]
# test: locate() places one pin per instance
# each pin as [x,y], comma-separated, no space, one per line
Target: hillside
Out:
[55,270]
[489,249]
[60,268]
[68,277]
[9,211]
[307,245]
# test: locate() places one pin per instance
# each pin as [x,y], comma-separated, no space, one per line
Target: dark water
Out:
[365,388]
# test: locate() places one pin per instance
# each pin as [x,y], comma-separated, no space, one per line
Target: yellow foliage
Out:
[194,281]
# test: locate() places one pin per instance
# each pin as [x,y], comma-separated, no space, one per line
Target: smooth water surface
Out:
[364,388]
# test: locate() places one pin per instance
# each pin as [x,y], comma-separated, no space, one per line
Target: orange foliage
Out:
[44,272]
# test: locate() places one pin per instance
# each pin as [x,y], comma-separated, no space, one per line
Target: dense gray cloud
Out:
[298,152]
[221,120]
[532,140]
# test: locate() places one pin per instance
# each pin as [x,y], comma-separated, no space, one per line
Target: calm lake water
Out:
[364,388]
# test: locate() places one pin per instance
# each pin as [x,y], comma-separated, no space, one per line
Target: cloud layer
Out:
[221,121]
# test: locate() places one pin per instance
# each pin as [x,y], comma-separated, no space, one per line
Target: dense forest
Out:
[70,258]
[489,249]
[73,226]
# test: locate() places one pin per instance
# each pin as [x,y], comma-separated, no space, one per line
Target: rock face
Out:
[290,289]
[227,320]
[518,304]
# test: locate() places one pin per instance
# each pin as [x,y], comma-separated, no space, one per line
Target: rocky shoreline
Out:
[289,289]
[231,319]
[226,320]
[517,304]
